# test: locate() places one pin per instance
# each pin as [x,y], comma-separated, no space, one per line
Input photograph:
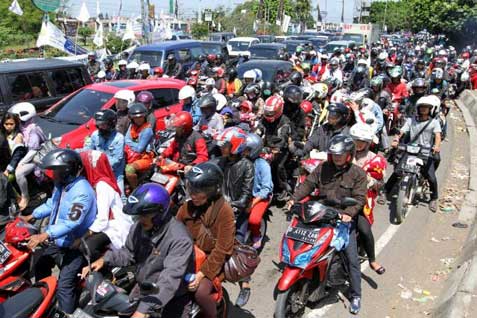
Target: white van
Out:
[241,45]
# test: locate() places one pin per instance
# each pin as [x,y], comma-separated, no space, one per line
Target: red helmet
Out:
[158,70]
[211,57]
[192,81]
[219,71]
[183,119]
[19,231]
[465,55]
[235,137]
[246,106]
[306,106]
[273,108]
[145,97]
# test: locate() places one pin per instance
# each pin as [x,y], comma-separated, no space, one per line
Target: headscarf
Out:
[97,168]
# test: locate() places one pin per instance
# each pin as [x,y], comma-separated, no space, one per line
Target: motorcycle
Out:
[312,264]
[410,159]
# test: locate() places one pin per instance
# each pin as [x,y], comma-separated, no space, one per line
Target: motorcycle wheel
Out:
[291,303]
[404,201]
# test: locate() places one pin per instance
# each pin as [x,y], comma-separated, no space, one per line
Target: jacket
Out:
[162,256]
[113,147]
[297,123]
[143,142]
[194,109]
[319,139]
[275,134]
[72,210]
[335,185]
[219,238]
[262,181]
[173,70]
[181,149]
[238,182]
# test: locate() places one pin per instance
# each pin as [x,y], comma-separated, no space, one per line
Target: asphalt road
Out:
[417,254]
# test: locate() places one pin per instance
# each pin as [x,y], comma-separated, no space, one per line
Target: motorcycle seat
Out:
[23,304]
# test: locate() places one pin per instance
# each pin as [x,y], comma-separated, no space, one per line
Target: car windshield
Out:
[264,53]
[152,58]
[330,48]
[318,42]
[79,108]
[291,47]
[239,45]
[212,48]
[358,38]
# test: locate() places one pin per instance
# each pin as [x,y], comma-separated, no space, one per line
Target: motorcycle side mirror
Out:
[149,288]
[347,202]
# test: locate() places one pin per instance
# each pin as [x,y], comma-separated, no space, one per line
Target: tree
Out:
[396,15]
[199,30]
[85,32]
[115,44]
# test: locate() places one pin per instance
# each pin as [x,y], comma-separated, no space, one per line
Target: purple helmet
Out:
[148,198]
[145,97]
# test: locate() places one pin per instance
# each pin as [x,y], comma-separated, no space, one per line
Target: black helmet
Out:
[296,78]
[419,82]
[171,57]
[108,62]
[293,94]
[232,74]
[252,90]
[208,101]
[202,57]
[65,163]
[339,109]
[341,144]
[137,110]
[108,117]
[146,199]
[206,177]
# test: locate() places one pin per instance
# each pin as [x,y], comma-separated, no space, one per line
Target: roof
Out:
[136,85]
[35,64]
[243,38]
[268,46]
[167,45]
[341,42]
[295,41]
[213,42]
[264,62]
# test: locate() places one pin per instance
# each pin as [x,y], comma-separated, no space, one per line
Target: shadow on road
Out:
[236,312]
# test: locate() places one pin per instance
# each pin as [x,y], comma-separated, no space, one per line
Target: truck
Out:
[361,34]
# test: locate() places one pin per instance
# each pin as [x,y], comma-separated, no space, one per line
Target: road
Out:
[417,254]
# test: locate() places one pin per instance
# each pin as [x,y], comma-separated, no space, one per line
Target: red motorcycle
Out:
[168,174]
[312,263]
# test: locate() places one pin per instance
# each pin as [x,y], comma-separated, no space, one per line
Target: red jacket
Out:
[473,80]
[180,150]
[398,91]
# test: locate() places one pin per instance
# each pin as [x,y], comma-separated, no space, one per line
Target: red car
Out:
[70,120]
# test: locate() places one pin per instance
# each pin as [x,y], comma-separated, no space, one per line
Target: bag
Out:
[45,148]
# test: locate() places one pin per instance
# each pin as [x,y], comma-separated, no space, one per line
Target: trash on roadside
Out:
[460,225]
[424,299]
[447,209]
[406,294]
[447,261]
[433,239]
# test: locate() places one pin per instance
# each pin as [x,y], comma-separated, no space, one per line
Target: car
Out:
[266,51]
[331,46]
[265,38]
[215,47]
[221,36]
[240,46]
[273,71]
[185,51]
[41,82]
[293,44]
[180,36]
[281,38]
[70,120]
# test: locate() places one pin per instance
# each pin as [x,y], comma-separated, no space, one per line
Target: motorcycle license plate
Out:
[4,253]
[302,235]
[411,161]
[79,313]
[159,178]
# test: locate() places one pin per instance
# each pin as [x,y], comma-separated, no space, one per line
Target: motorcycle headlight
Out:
[412,149]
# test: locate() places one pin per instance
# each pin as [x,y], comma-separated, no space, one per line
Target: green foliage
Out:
[85,32]
[199,30]
[396,16]
[115,44]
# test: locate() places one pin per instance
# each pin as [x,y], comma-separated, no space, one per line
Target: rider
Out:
[93,66]
[71,211]
[233,83]
[144,69]
[190,103]
[124,98]
[147,99]
[419,89]
[11,142]
[109,69]
[293,96]
[161,249]
[438,82]
[172,68]
[210,123]
[337,178]
[122,73]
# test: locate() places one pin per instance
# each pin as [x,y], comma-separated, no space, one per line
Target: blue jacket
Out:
[113,147]
[262,183]
[194,110]
[144,141]
[71,209]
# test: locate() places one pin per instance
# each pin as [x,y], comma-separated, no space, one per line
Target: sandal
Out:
[243,296]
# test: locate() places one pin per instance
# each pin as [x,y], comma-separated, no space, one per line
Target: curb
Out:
[456,299]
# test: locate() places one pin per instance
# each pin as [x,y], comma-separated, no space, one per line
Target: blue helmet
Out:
[148,198]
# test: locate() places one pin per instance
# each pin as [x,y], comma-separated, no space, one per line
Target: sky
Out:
[132,7]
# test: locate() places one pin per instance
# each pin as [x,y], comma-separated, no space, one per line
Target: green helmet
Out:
[376,82]
[429,51]
[396,72]
[305,66]
[299,49]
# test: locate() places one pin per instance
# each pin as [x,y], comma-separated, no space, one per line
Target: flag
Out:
[15,8]
[235,31]
[219,27]
[52,36]
[286,22]
[129,32]
[84,14]
[213,24]
[98,36]
[255,26]
[199,17]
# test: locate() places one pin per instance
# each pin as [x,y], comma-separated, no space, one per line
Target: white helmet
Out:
[250,74]
[363,62]
[132,65]
[210,82]
[24,110]
[382,56]
[126,95]
[465,77]
[321,90]
[438,73]
[221,101]
[187,92]
[122,63]
[339,96]
[431,100]
[259,74]
[362,131]
[144,67]
[442,53]
[101,74]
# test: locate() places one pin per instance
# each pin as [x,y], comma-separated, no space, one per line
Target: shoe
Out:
[355,305]
[283,196]
[243,296]
[257,242]
[433,205]
[382,198]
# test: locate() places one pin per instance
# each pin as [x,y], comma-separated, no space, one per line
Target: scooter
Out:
[168,174]
[312,264]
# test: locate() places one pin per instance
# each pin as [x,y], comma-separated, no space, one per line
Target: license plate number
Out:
[159,178]
[302,235]
[4,253]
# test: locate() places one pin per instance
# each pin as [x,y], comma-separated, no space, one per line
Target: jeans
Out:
[21,174]
[351,253]
[97,245]
[279,172]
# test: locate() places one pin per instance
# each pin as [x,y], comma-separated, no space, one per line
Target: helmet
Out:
[338,109]
[246,105]
[255,144]
[65,163]
[305,66]
[232,73]
[396,72]
[363,62]
[107,117]
[210,82]
[208,101]
[187,92]
[293,94]
[19,231]
[419,82]
[211,57]
[144,67]
[235,137]
[108,62]
[431,101]
[101,74]
[137,110]
[183,119]
[91,54]
[24,110]
[299,49]
[132,65]
[437,73]
[465,55]
[171,57]
[321,90]
[273,108]
[206,177]
[296,78]
[341,144]
[125,94]
[252,90]
[158,70]
[145,97]
[219,71]
[122,63]
[250,74]
[334,62]
[362,131]
[149,198]
[221,101]
[306,106]
[376,82]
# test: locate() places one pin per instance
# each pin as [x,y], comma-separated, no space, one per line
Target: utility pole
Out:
[177,9]
[318,14]
[280,11]
[384,18]
[342,11]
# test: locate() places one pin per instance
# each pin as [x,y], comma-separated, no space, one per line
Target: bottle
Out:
[189,277]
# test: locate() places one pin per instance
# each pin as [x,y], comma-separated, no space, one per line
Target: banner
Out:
[98,36]
[129,32]
[84,14]
[52,36]
[286,22]
[15,8]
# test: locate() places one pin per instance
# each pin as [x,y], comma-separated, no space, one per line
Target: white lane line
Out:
[384,239]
